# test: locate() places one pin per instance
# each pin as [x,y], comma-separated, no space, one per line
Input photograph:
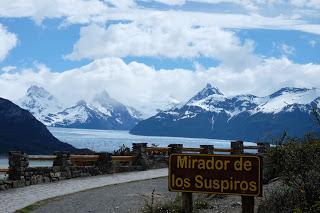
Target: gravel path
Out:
[13,199]
[131,197]
[126,197]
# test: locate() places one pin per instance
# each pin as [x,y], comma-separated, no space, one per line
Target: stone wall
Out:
[20,174]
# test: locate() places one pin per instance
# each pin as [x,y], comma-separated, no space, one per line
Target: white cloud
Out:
[157,36]
[8,41]
[80,10]
[8,68]
[312,43]
[287,49]
[172,2]
[175,34]
[146,89]
[253,5]
[101,11]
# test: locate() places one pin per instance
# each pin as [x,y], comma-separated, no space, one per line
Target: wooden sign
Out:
[218,174]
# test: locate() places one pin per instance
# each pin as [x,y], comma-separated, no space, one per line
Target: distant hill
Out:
[103,112]
[211,114]
[20,130]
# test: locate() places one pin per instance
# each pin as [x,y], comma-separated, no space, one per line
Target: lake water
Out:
[110,140]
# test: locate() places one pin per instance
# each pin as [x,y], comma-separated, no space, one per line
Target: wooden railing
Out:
[78,157]
[4,170]
[164,151]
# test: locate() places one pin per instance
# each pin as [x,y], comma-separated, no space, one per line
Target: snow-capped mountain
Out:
[211,114]
[102,112]
[41,104]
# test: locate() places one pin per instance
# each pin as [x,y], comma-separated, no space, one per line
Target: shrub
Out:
[166,207]
[297,164]
[123,150]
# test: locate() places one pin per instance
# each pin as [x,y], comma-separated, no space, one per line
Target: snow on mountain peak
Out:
[289,90]
[40,103]
[38,92]
[103,99]
[210,90]
[103,95]
[207,91]
[81,103]
[286,97]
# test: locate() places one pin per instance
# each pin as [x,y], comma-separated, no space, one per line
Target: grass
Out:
[34,206]
[174,206]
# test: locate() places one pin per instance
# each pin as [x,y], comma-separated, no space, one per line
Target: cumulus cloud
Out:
[101,11]
[8,68]
[147,89]
[80,10]
[172,2]
[8,41]
[159,37]
[287,49]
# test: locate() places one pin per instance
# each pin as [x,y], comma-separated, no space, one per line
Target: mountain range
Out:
[211,114]
[20,130]
[102,112]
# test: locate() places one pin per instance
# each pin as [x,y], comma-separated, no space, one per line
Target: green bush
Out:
[123,150]
[297,164]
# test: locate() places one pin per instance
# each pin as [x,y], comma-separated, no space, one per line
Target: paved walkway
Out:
[14,199]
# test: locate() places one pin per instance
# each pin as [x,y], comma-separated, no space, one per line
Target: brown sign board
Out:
[217,174]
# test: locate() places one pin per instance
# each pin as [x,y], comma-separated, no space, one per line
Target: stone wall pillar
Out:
[175,148]
[18,164]
[237,147]
[139,151]
[207,149]
[62,159]
[62,163]
[104,162]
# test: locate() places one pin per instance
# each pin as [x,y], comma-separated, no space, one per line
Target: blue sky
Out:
[48,42]
[157,51]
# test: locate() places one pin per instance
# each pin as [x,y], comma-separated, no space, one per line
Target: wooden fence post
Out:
[247,201]
[186,197]
[186,202]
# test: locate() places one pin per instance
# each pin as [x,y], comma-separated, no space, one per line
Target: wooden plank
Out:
[84,157]
[222,150]
[4,170]
[192,149]
[158,149]
[250,147]
[122,158]
[42,157]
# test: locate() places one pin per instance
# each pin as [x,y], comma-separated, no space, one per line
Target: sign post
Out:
[216,174]
[186,202]
[247,201]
